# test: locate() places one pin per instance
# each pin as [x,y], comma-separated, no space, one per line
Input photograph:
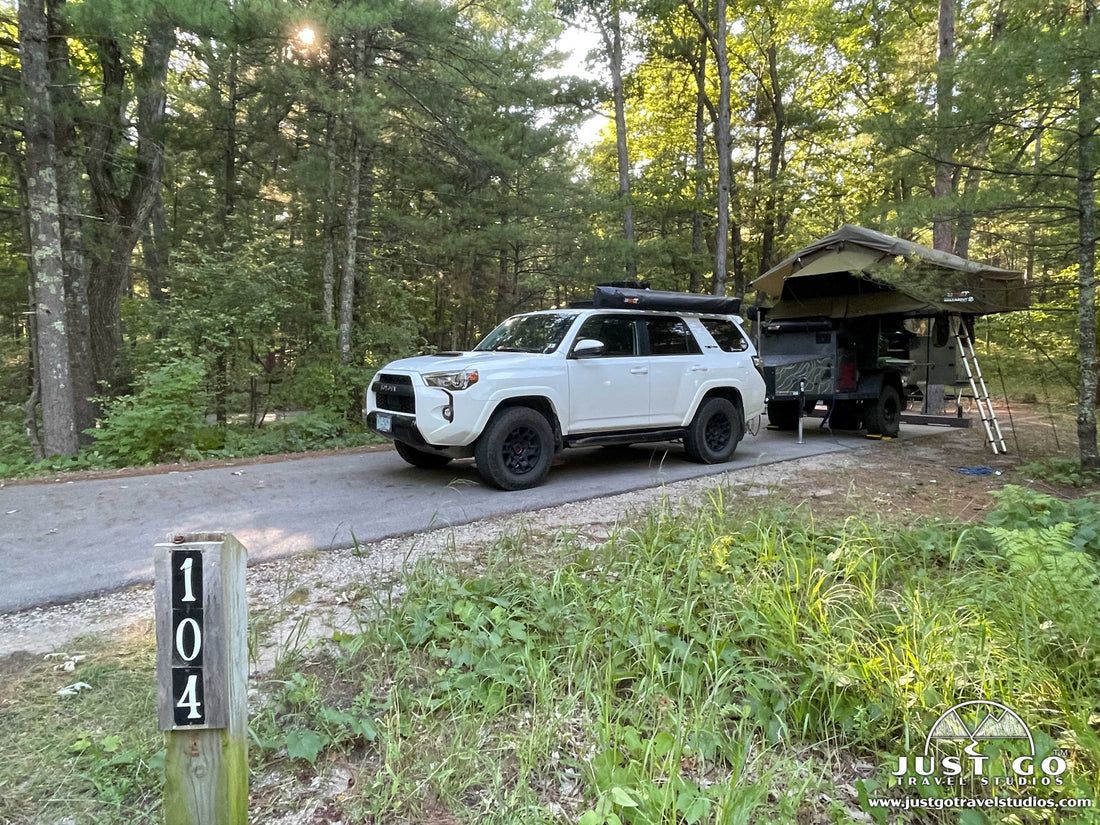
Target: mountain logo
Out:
[978,720]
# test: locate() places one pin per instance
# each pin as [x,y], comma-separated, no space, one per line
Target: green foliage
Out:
[297,722]
[671,669]
[1051,549]
[157,423]
[1027,511]
[321,429]
[1061,471]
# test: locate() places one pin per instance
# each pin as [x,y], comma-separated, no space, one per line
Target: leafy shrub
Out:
[1061,471]
[683,643]
[1020,509]
[157,423]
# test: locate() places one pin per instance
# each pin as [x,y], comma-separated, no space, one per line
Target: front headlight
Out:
[452,380]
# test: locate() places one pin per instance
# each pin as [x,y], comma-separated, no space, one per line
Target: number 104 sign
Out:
[194,624]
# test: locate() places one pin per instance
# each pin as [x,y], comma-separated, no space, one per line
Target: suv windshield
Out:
[529,333]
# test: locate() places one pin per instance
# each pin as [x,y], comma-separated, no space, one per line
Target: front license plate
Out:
[384,423]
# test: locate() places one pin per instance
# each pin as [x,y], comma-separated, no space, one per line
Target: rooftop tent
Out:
[613,297]
[855,272]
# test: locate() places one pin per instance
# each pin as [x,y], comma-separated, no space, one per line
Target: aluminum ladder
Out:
[993,434]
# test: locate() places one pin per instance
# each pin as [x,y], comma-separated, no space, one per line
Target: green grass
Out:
[91,757]
[708,667]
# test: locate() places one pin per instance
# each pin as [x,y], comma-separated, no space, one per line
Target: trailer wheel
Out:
[783,415]
[883,415]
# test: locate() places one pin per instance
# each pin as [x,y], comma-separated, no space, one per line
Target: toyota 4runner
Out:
[599,375]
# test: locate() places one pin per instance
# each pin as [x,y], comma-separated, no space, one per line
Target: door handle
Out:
[639,371]
[698,368]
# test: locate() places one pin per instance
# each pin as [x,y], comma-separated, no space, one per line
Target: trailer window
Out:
[726,334]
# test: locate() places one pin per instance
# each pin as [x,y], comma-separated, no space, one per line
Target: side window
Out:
[618,333]
[726,334]
[670,336]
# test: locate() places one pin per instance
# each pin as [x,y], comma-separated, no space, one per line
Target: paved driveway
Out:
[65,540]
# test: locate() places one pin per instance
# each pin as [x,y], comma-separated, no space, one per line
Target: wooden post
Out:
[202,677]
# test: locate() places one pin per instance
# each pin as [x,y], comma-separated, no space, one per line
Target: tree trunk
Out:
[977,159]
[121,215]
[966,216]
[695,281]
[47,266]
[612,34]
[945,162]
[328,226]
[71,210]
[727,189]
[1086,275]
[351,228]
[722,142]
[775,163]
[156,248]
[229,194]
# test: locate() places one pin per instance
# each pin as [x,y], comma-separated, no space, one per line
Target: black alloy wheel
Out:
[714,432]
[521,450]
[516,449]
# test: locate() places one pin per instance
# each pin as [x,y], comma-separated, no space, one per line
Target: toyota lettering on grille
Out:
[386,387]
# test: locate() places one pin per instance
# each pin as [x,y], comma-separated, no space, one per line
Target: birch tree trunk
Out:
[59,435]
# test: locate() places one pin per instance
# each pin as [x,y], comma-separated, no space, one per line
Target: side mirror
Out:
[588,348]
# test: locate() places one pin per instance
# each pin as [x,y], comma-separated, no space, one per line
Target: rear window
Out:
[725,334]
[670,336]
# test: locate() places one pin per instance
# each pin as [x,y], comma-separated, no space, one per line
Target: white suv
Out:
[543,381]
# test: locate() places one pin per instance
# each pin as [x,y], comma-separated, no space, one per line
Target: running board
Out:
[631,437]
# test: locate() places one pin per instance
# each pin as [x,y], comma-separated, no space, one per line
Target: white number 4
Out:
[190,697]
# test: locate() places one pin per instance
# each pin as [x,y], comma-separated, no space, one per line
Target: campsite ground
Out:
[300,605]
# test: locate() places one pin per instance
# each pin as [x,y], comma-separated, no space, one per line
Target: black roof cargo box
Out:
[609,297]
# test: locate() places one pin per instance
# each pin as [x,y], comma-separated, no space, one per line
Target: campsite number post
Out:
[202,678]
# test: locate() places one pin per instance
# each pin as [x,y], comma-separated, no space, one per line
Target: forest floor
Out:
[297,605]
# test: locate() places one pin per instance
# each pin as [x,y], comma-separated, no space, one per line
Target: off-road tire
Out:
[883,415]
[714,432]
[516,449]
[783,415]
[420,458]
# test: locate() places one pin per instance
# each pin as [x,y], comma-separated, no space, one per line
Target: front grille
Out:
[394,392]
